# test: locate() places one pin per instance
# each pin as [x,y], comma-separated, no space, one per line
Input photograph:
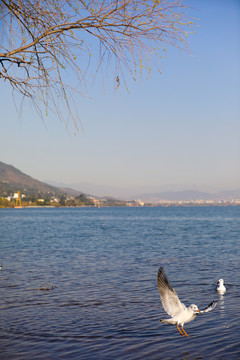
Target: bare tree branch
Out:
[42,38]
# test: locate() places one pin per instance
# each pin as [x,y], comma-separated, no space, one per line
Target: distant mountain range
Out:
[189,195]
[12,180]
[145,195]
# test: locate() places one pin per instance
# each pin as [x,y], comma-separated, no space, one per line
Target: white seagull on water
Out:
[179,313]
[220,287]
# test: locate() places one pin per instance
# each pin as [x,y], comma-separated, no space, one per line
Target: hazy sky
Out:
[180,128]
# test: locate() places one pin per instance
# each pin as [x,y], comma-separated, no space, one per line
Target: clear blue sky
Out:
[180,129]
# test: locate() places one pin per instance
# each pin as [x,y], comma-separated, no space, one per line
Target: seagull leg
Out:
[184,331]
[180,330]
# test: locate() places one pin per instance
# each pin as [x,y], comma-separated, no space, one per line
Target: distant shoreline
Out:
[122,206]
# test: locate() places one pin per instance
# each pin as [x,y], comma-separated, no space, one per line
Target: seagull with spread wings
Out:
[180,314]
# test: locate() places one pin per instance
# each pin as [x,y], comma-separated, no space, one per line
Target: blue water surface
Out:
[81,283]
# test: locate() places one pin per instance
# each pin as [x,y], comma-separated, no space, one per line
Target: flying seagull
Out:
[179,313]
[220,287]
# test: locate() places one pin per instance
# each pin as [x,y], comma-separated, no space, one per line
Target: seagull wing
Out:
[170,301]
[209,307]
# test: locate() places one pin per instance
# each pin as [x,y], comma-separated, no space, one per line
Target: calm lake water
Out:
[103,265]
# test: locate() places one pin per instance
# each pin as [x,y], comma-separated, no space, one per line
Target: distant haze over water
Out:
[164,192]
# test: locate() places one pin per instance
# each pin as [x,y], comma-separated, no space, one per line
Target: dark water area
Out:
[82,283]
